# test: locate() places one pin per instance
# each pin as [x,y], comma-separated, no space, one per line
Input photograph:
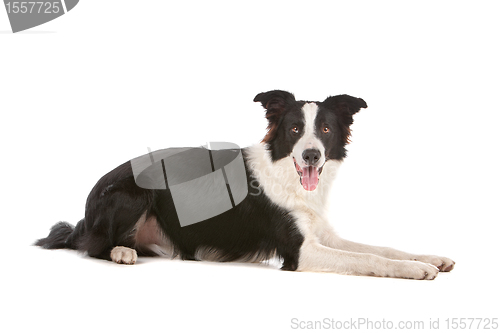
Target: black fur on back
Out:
[256,228]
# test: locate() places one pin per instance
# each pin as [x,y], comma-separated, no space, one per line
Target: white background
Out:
[96,87]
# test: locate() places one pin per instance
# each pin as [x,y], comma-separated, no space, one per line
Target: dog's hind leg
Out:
[112,236]
[114,209]
[124,255]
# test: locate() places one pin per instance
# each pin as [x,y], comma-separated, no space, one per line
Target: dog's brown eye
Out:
[295,130]
[326,130]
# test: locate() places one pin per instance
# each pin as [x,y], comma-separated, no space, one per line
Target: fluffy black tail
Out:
[61,236]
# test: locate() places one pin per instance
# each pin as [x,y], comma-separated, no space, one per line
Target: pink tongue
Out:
[310,178]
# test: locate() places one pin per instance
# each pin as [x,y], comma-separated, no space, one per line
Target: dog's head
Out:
[312,133]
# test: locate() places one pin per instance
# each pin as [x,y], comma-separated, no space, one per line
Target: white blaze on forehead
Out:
[309,140]
[309,110]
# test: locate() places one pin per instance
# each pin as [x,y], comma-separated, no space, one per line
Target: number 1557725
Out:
[29,7]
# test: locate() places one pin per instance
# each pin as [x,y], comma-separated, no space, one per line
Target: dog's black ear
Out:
[275,102]
[344,104]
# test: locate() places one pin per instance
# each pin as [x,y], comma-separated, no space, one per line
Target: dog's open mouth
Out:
[309,176]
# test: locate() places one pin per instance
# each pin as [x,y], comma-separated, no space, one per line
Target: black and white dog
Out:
[289,176]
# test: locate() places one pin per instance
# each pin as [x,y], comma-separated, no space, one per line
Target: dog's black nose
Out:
[311,156]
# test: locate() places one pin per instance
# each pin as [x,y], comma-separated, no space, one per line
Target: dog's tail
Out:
[62,236]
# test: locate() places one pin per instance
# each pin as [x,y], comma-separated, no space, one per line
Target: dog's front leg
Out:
[442,263]
[329,238]
[319,258]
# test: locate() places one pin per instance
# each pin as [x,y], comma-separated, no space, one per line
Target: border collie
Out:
[284,215]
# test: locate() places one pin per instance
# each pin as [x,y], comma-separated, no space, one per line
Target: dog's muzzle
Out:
[309,175]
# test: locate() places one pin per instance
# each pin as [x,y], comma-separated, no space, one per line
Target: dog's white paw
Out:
[442,263]
[407,269]
[124,255]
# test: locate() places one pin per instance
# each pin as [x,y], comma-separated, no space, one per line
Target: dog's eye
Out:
[295,130]
[326,130]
